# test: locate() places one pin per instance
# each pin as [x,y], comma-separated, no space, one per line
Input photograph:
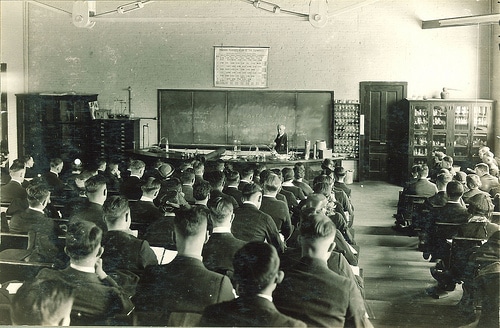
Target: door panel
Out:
[378,101]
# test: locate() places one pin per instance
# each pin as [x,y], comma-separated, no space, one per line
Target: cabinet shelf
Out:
[459,127]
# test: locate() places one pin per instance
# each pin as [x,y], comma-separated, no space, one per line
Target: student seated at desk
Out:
[46,302]
[97,296]
[256,276]
[183,287]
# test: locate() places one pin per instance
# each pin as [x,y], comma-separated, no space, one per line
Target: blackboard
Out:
[217,117]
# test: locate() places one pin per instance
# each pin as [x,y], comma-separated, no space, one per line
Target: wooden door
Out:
[384,148]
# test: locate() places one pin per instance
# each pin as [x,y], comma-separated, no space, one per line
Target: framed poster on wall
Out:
[240,67]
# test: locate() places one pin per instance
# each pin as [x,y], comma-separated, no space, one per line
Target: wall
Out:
[379,42]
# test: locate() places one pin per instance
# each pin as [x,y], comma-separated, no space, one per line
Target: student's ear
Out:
[100,252]
[279,277]
[127,216]
[156,193]
[207,236]
[66,251]
[331,247]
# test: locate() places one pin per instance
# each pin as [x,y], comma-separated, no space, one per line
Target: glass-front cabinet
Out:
[456,127]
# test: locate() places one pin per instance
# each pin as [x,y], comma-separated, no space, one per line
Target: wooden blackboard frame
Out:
[215,117]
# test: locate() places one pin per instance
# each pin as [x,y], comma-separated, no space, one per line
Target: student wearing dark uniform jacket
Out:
[256,276]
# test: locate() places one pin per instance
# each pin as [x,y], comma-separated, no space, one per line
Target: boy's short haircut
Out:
[94,183]
[201,190]
[323,178]
[17,166]
[191,221]
[246,171]
[55,162]
[287,173]
[41,302]
[232,177]
[250,189]
[187,175]
[215,178]
[37,193]
[316,225]
[82,238]
[136,165]
[323,188]
[256,265]
[151,185]
[473,181]
[272,183]
[114,207]
[448,159]
[220,208]
[454,189]
[480,204]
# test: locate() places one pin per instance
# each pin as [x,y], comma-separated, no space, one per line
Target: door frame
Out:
[364,135]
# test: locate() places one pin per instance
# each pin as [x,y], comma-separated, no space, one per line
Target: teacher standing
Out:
[281,141]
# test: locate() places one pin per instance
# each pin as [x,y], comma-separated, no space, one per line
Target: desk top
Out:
[243,157]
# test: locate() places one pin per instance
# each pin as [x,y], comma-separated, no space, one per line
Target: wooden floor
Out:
[395,273]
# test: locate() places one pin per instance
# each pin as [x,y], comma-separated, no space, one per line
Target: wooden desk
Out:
[313,166]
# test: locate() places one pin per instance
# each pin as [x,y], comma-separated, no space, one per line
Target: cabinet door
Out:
[439,127]
[459,146]
[419,134]
[481,119]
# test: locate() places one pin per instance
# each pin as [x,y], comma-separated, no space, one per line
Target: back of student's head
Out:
[191,221]
[82,238]
[114,208]
[37,194]
[323,188]
[95,184]
[323,178]
[315,201]
[16,166]
[151,186]
[232,177]
[315,226]
[201,190]
[171,184]
[454,189]
[136,165]
[256,266]
[54,162]
[443,179]
[46,302]
[473,181]
[422,171]
[246,172]
[272,183]
[220,208]
[480,204]
[287,173]
[448,160]
[215,178]
[264,174]
[250,190]
[482,167]
[198,167]
[187,176]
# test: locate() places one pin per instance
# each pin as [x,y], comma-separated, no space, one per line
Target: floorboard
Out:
[395,273]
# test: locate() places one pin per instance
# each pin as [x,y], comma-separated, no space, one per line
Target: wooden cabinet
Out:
[54,125]
[456,127]
[116,136]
